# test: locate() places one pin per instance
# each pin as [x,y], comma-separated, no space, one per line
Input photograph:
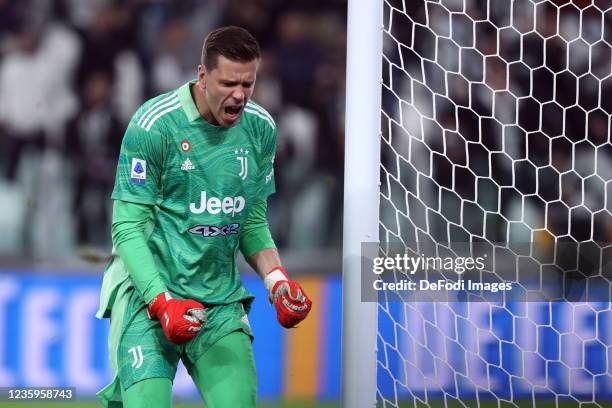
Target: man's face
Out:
[226,90]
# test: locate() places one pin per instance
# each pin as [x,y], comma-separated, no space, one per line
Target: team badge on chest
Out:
[242,155]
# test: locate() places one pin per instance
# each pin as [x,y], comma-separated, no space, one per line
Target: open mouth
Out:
[233,110]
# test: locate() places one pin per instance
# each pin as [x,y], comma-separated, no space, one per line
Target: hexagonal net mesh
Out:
[496,129]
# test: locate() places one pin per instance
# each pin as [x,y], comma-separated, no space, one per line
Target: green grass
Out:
[312,404]
[93,404]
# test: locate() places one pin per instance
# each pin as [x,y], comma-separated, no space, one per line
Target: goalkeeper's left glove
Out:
[288,297]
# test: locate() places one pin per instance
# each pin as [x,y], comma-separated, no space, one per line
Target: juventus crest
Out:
[242,157]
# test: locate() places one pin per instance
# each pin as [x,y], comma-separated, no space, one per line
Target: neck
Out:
[200,101]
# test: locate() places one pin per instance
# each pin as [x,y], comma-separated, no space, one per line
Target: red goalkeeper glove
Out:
[288,297]
[180,319]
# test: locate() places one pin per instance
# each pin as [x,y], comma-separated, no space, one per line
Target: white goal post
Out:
[361,204]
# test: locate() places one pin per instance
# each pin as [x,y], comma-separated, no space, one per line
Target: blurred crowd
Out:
[73,72]
[496,119]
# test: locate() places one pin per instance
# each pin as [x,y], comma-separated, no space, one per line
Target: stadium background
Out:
[71,75]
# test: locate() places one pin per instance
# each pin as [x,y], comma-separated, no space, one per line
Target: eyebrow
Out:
[232,82]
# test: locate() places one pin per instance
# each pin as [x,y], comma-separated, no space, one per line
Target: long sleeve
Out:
[255,235]
[128,233]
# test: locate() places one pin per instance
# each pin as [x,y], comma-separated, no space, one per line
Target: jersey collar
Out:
[184,95]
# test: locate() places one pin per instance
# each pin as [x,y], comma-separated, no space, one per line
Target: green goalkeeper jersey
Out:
[201,180]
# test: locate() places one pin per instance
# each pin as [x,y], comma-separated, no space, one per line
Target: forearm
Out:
[129,221]
[288,297]
[264,261]
[256,242]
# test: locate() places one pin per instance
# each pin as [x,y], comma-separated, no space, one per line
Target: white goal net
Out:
[496,130]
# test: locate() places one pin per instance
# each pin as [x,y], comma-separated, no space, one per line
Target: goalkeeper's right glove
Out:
[180,319]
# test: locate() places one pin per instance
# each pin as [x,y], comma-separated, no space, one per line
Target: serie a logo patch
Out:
[139,171]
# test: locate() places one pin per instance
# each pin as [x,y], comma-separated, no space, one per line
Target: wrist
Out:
[153,290]
[158,303]
[276,275]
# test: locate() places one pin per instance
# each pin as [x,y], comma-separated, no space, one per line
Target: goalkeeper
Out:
[194,173]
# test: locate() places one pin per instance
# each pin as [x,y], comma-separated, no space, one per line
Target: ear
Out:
[201,77]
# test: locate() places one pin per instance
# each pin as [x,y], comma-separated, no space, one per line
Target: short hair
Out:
[234,43]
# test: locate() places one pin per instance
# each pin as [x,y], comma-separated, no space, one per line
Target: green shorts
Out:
[143,351]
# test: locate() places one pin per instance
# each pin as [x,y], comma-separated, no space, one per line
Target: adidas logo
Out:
[187,165]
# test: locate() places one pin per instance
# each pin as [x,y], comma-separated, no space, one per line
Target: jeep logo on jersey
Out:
[214,205]
[213,231]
